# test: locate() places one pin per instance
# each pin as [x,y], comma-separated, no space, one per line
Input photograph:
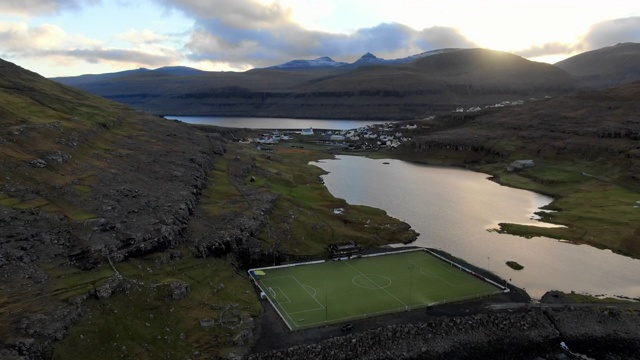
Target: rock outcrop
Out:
[534,333]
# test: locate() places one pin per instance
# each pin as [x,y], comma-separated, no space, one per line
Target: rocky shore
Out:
[604,333]
[533,333]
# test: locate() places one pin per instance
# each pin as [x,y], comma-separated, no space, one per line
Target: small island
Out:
[514,265]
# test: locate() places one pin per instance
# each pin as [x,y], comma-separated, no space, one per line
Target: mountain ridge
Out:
[413,87]
[606,67]
[88,78]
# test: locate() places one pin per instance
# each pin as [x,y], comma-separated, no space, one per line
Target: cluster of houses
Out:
[506,103]
[372,137]
[460,109]
[369,137]
[269,138]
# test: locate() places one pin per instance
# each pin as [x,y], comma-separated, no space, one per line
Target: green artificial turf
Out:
[312,295]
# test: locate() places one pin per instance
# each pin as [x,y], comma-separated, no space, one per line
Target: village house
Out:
[520,164]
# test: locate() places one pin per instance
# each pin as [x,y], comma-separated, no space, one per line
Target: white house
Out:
[308,131]
[520,164]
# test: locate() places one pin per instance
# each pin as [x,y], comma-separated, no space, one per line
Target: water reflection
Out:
[273,123]
[453,208]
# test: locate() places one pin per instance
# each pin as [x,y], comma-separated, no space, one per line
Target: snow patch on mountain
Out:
[324,61]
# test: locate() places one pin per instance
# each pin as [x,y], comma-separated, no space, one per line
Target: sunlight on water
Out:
[453,208]
[273,123]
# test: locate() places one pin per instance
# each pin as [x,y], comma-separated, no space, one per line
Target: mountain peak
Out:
[369,58]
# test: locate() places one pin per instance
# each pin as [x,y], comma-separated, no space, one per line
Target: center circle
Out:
[371,281]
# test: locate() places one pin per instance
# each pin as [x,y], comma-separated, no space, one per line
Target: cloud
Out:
[554,48]
[611,32]
[439,37]
[258,34]
[19,38]
[51,42]
[603,34]
[41,7]
[142,37]
[237,14]
[140,58]
[215,42]
[241,34]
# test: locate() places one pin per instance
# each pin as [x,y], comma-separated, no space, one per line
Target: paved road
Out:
[507,306]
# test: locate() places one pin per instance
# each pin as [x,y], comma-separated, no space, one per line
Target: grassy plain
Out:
[318,294]
[596,207]
[304,222]
[145,323]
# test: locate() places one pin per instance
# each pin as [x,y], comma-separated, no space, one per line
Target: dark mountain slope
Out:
[596,126]
[472,72]
[438,82]
[120,228]
[606,67]
[85,181]
[91,78]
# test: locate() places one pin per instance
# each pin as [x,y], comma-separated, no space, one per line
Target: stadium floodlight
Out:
[410,284]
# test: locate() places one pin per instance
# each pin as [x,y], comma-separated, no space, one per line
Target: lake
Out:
[274,123]
[454,209]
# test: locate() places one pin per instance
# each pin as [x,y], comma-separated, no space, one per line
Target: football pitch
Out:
[323,293]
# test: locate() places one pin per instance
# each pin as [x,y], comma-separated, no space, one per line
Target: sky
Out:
[74,37]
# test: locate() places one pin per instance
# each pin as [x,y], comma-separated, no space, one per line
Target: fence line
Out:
[504,288]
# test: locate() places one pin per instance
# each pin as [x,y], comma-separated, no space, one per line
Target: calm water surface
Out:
[453,209]
[274,123]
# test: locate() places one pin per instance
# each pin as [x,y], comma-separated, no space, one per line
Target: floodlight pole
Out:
[326,305]
[410,283]
[273,252]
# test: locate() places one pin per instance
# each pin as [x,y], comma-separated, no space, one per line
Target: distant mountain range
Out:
[78,81]
[366,59]
[369,88]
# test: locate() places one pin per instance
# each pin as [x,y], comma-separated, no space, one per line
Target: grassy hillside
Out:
[606,67]
[123,233]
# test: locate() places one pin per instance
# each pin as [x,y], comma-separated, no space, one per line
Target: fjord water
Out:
[453,209]
[273,123]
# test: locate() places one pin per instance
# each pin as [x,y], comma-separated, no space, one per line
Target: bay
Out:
[273,123]
[454,210]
